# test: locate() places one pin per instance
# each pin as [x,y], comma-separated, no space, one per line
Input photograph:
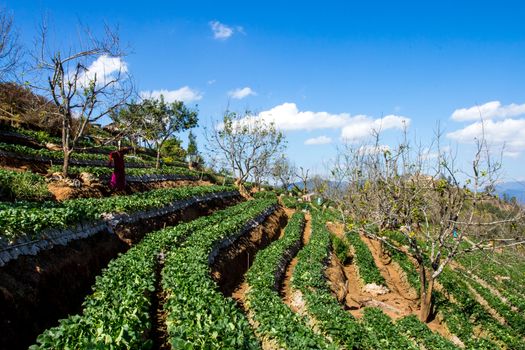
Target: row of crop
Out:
[309,279]
[381,333]
[41,138]
[97,159]
[106,171]
[117,314]
[420,334]
[198,315]
[30,218]
[456,286]
[22,185]
[274,319]
[513,319]
[503,273]
[457,321]
[28,151]
[364,260]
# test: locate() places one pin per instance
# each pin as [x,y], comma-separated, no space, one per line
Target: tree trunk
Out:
[65,164]
[425,294]
[242,190]
[66,139]
[157,163]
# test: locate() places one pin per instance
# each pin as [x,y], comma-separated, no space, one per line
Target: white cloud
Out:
[511,154]
[489,110]
[321,140]
[288,117]
[239,94]
[102,71]
[184,94]
[510,132]
[361,126]
[222,32]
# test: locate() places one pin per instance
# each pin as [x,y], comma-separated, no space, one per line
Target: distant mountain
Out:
[310,185]
[512,189]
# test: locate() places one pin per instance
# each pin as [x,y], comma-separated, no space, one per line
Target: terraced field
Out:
[192,266]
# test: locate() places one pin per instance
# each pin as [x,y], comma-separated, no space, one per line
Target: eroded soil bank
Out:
[398,300]
[37,291]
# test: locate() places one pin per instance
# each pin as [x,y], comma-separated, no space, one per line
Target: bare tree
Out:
[86,82]
[247,144]
[283,171]
[419,192]
[10,49]
[302,174]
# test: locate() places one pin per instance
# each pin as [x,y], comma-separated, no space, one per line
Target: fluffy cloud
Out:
[321,140]
[489,110]
[239,94]
[102,70]
[510,132]
[222,32]
[287,117]
[184,94]
[361,126]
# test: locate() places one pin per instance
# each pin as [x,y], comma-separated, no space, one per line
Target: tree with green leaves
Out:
[127,121]
[161,121]
[172,149]
[194,158]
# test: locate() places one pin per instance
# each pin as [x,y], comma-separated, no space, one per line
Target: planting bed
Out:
[37,290]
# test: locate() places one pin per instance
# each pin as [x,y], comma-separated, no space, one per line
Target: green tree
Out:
[128,121]
[173,149]
[194,157]
[162,120]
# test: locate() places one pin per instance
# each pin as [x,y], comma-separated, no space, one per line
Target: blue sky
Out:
[356,61]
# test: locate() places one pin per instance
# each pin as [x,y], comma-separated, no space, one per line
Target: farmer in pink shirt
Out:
[118,178]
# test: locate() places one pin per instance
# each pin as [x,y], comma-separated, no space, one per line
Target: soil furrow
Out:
[400,300]
[159,332]
[231,264]
[286,288]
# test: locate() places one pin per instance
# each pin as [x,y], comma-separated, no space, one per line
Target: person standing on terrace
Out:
[118,178]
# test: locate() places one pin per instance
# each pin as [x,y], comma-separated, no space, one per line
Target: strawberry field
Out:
[315,285]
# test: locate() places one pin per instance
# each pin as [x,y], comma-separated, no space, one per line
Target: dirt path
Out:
[402,296]
[400,300]
[159,331]
[239,294]
[286,291]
